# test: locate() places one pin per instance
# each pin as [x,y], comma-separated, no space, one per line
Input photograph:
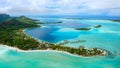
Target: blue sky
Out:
[61,7]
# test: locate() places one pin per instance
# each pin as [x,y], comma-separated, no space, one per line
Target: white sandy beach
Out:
[19,50]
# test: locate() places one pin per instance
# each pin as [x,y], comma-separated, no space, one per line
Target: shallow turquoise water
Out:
[9,58]
[106,37]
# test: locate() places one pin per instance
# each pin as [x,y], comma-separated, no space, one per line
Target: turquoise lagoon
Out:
[107,37]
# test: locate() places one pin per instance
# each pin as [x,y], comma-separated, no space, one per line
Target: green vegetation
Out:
[78,51]
[97,26]
[83,28]
[4,17]
[11,34]
[51,22]
[116,20]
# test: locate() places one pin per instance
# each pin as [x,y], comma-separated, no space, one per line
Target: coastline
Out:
[37,44]
[56,51]
[49,50]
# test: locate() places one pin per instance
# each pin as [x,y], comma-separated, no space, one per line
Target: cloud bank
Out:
[61,7]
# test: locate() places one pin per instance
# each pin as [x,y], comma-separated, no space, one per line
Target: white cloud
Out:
[61,7]
[103,4]
[114,12]
[5,9]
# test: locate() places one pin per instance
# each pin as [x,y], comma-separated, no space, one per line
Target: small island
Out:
[97,26]
[50,22]
[11,34]
[82,28]
[89,28]
[116,20]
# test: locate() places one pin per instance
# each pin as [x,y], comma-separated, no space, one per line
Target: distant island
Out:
[11,34]
[51,22]
[89,28]
[4,17]
[116,20]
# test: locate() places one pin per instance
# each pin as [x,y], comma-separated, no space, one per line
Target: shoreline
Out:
[48,50]
[56,51]
[24,40]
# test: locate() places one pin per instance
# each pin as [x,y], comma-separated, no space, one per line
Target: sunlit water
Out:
[106,37]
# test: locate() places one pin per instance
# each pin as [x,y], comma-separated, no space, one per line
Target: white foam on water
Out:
[3,50]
